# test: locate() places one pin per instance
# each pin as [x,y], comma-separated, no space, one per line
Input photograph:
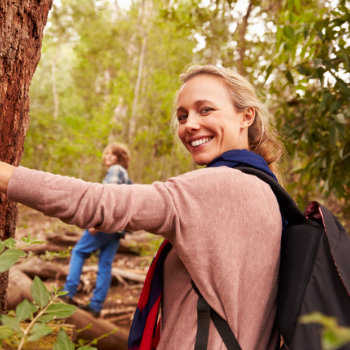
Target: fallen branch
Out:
[120,274]
[51,270]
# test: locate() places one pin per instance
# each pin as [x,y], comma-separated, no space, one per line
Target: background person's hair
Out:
[262,138]
[122,152]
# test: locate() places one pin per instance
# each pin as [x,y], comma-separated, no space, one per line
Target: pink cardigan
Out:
[225,227]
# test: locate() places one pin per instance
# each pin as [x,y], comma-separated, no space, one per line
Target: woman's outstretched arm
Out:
[108,208]
[6,171]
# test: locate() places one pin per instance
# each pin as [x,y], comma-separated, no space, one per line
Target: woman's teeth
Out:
[199,142]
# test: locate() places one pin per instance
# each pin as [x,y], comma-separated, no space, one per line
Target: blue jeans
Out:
[108,245]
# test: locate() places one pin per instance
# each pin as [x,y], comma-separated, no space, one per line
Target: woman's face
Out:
[109,158]
[209,125]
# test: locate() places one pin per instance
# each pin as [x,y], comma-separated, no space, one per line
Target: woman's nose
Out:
[192,122]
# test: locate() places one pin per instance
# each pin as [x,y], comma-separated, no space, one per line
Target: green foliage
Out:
[333,336]
[63,342]
[62,254]
[39,292]
[44,308]
[9,256]
[33,320]
[313,62]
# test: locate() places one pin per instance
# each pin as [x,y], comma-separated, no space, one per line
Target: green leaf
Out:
[10,243]
[288,31]
[335,106]
[25,310]
[9,257]
[332,340]
[87,347]
[317,317]
[345,57]
[46,318]
[289,77]
[333,135]
[63,342]
[324,101]
[62,292]
[29,240]
[333,335]
[268,71]
[39,292]
[11,322]
[60,310]
[297,5]
[6,332]
[2,246]
[39,330]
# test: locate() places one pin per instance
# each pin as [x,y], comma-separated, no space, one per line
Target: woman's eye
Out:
[205,110]
[182,118]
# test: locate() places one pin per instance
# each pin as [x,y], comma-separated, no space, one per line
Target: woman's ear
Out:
[248,117]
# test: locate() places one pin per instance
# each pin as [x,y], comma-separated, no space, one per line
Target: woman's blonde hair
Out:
[261,136]
[121,152]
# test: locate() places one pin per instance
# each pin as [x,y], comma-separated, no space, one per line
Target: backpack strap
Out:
[288,207]
[203,321]
[204,314]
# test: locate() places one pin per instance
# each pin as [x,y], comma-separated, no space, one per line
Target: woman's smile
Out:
[201,141]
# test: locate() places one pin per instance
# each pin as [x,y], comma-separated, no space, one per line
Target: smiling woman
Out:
[222,228]
[209,124]
[223,92]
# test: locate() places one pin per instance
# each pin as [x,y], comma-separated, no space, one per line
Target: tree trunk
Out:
[242,30]
[145,16]
[21,31]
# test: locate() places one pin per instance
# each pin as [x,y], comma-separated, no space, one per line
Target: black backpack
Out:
[314,276]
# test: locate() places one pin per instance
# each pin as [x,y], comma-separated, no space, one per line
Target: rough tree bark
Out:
[21,31]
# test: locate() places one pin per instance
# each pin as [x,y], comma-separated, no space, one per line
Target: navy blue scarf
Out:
[242,157]
[145,328]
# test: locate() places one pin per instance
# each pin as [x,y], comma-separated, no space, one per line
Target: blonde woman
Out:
[222,227]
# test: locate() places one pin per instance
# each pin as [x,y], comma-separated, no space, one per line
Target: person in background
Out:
[222,227]
[116,158]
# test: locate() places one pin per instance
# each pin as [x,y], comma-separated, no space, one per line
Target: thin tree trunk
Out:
[146,15]
[242,30]
[21,31]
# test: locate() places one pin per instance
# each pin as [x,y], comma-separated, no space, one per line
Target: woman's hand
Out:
[6,171]
[92,231]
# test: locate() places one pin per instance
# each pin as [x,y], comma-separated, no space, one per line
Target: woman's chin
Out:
[202,159]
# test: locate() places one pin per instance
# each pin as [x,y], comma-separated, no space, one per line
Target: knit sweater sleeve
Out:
[107,207]
[177,205]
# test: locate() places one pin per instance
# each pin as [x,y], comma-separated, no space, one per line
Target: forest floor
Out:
[135,255]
